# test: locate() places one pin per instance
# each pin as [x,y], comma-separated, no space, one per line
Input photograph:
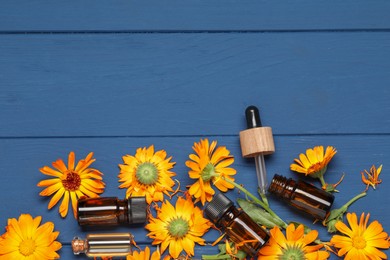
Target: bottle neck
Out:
[225,220]
[79,246]
[282,187]
[123,211]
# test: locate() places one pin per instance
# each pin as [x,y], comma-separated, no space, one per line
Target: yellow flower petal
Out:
[311,156]
[60,165]
[51,189]
[74,200]
[54,200]
[48,182]
[71,160]
[64,205]
[304,160]
[188,246]
[318,255]
[49,171]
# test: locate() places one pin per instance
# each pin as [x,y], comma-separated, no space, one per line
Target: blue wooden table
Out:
[112,76]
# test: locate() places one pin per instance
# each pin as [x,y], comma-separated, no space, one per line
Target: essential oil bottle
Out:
[237,224]
[99,245]
[303,196]
[111,211]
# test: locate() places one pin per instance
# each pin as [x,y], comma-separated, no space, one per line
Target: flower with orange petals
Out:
[71,182]
[314,164]
[295,245]
[25,238]
[210,165]
[179,227]
[147,174]
[360,240]
[372,177]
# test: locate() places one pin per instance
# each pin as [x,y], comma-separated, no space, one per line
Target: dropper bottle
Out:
[257,141]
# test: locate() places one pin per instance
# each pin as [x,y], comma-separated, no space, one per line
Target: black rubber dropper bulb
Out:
[252,117]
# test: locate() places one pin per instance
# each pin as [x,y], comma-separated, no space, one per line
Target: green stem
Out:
[322,180]
[256,200]
[264,198]
[349,203]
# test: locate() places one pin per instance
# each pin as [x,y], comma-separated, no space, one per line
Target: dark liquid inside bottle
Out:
[111,211]
[243,231]
[303,196]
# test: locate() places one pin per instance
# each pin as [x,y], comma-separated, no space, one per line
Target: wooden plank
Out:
[123,15]
[193,84]
[20,160]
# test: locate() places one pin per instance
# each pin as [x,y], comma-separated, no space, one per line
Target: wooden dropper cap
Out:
[256,139]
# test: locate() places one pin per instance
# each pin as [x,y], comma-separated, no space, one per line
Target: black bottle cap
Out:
[137,210]
[252,117]
[217,207]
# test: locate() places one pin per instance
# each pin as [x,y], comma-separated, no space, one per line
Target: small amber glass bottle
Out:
[99,245]
[240,228]
[303,196]
[111,211]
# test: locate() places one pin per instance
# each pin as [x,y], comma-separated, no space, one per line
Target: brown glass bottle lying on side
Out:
[303,196]
[240,228]
[111,211]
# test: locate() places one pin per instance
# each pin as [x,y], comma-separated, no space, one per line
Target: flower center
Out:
[208,172]
[147,173]
[178,228]
[292,253]
[358,242]
[27,247]
[72,181]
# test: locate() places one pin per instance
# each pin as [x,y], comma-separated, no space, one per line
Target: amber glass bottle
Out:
[237,224]
[99,245]
[303,196]
[111,211]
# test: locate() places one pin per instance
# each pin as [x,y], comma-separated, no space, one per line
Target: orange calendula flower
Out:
[315,161]
[71,182]
[178,228]
[25,238]
[314,164]
[360,241]
[147,174]
[210,165]
[295,245]
[372,177]
[144,255]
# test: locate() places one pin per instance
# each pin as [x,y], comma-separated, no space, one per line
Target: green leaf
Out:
[260,216]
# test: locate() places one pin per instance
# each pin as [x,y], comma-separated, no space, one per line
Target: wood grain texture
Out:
[20,160]
[112,76]
[193,84]
[119,15]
